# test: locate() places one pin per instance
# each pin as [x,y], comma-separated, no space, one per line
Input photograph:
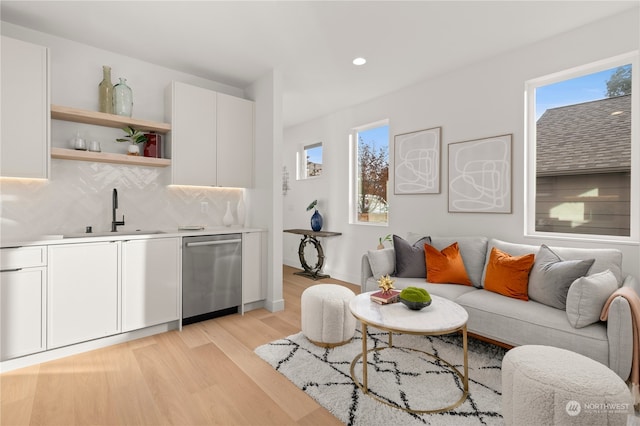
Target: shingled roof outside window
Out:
[586,138]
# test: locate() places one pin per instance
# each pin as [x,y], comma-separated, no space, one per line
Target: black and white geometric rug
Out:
[400,377]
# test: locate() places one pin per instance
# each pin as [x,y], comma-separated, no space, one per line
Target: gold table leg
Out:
[364,358]
[464,376]
[466,359]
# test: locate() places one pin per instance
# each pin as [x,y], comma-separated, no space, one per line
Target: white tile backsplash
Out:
[79,195]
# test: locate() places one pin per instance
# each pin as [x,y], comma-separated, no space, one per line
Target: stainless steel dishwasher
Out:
[211,276]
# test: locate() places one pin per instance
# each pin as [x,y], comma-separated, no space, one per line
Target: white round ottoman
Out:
[544,385]
[326,318]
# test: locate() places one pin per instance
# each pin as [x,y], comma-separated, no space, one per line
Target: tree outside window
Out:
[372,175]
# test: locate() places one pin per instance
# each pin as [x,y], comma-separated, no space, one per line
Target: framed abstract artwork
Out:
[480,175]
[417,162]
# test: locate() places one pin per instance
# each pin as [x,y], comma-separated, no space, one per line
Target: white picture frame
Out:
[480,175]
[417,162]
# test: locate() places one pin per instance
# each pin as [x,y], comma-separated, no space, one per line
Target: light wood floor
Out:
[205,375]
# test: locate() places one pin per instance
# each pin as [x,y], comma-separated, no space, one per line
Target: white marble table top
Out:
[441,316]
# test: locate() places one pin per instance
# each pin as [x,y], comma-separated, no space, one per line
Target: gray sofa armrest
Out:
[620,332]
[365,272]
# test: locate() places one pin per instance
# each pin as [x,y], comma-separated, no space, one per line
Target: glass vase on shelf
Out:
[122,98]
[105,91]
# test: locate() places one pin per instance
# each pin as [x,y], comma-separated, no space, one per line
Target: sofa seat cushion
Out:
[518,322]
[448,291]
[473,251]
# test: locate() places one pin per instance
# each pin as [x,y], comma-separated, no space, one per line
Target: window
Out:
[370,174]
[580,156]
[310,161]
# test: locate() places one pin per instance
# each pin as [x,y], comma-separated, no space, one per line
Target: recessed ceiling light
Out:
[617,112]
[359,61]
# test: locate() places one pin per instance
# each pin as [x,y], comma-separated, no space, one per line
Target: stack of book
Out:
[385,298]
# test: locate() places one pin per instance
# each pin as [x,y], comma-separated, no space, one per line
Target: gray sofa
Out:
[517,322]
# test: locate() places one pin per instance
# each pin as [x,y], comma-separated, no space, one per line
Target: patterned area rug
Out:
[398,376]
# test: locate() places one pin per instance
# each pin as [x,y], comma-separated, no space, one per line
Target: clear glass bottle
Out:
[105,91]
[122,98]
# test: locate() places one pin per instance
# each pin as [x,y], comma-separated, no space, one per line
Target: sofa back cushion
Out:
[473,251]
[604,258]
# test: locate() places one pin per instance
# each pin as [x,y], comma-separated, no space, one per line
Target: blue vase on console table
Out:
[316,221]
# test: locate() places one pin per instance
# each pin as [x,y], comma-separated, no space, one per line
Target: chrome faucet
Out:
[114,207]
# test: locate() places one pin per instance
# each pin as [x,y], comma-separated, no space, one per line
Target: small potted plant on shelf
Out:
[134,137]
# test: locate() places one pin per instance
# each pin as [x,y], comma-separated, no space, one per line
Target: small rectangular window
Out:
[310,161]
[370,177]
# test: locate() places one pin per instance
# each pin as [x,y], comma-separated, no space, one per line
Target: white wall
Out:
[480,100]
[79,193]
[265,209]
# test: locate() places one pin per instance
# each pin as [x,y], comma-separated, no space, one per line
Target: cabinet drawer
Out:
[22,257]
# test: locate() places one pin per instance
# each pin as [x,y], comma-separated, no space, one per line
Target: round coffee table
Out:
[441,317]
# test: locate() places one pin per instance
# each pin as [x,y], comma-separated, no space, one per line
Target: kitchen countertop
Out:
[126,234]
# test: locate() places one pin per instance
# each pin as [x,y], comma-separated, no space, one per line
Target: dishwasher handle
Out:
[214,243]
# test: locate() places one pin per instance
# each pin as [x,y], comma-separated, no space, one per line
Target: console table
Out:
[310,237]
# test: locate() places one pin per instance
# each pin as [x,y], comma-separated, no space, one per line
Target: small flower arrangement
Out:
[313,204]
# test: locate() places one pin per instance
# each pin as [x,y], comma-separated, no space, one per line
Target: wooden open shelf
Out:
[108,120]
[108,157]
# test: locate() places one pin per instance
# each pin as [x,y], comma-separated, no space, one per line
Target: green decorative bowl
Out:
[415,306]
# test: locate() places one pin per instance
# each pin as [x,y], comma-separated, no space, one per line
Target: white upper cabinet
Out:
[235,141]
[24,147]
[211,139]
[192,112]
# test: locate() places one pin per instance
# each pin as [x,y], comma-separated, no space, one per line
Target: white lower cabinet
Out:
[83,297]
[252,269]
[150,282]
[23,283]
[22,312]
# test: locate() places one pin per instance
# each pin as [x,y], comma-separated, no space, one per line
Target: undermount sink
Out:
[115,234]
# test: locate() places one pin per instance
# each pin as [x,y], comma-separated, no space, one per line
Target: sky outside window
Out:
[314,153]
[577,90]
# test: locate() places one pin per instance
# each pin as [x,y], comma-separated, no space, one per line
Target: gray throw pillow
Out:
[587,296]
[551,277]
[382,262]
[410,260]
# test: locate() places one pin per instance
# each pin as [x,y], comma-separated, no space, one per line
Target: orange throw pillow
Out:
[508,275]
[445,266]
